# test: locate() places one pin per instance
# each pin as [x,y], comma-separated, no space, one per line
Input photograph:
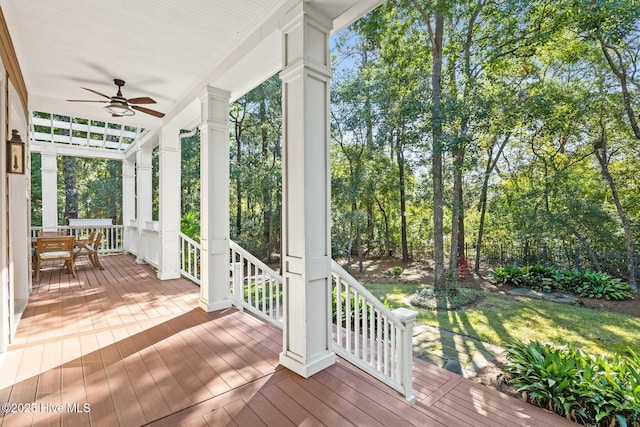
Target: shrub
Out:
[450,297]
[535,275]
[587,284]
[601,285]
[397,271]
[508,274]
[599,391]
[190,225]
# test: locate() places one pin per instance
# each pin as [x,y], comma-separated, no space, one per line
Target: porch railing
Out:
[190,258]
[255,286]
[112,235]
[365,332]
[369,335]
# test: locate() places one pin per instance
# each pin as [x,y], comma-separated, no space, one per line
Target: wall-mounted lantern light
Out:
[15,153]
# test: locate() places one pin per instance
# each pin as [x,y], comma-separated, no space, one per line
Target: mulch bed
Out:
[381,271]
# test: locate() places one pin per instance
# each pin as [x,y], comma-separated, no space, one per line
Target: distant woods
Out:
[455,127]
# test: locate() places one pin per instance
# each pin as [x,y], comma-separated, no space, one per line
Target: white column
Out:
[144,201]
[128,201]
[19,247]
[169,203]
[49,170]
[306,192]
[214,200]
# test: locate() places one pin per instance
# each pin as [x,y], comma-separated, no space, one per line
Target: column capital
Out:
[306,32]
[48,149]
[170,132]
[301,10]
[214,105]
[143,159]
[128,168]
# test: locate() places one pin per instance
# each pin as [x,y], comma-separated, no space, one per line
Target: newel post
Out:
[404,358]
[238,283]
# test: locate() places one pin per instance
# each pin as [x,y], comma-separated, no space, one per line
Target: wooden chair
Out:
[90,249]
[55,249]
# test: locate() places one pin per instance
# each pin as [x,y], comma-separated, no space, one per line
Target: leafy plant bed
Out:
[599,391]
[448,298]
[586,283]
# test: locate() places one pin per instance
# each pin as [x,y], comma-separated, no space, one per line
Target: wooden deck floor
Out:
[119,347]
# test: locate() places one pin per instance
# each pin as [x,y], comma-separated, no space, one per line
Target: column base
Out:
[214,306]
[168,275]
[306,370]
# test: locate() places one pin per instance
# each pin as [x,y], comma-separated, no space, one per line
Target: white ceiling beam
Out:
[77,151]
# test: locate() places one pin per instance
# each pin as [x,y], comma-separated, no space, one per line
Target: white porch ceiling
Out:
[166,49]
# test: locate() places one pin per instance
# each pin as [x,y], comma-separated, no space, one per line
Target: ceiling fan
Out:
[119,106]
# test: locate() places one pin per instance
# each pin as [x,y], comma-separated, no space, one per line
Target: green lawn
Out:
[500,319]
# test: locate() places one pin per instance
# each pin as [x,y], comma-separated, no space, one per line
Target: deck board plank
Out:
[314,406]
[139,351]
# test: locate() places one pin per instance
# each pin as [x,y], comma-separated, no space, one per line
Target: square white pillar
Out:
[144,198]
[128,201]
[169,267]
[49,172]
[214,200]
[306,218]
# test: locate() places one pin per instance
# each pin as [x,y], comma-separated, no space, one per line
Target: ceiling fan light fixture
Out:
[119,106]
[120,109]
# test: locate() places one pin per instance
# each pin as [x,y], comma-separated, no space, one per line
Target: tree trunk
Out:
[387,236]
[461,236]
[237,134]
[355,225]
[457,228]
[370,227]
[601,154]
[491,164]
[592,255]
[238,190]
[368,117]
[403,202]
[436,166]
[457,221]
[267,208]
[359,247]
[621,73]
[70,187]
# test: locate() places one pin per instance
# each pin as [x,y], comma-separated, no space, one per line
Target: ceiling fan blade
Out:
[85,100]
[148,111]
[141,100]
[96,92]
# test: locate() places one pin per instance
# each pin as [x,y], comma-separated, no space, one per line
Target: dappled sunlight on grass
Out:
[394,294]
[500,319]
